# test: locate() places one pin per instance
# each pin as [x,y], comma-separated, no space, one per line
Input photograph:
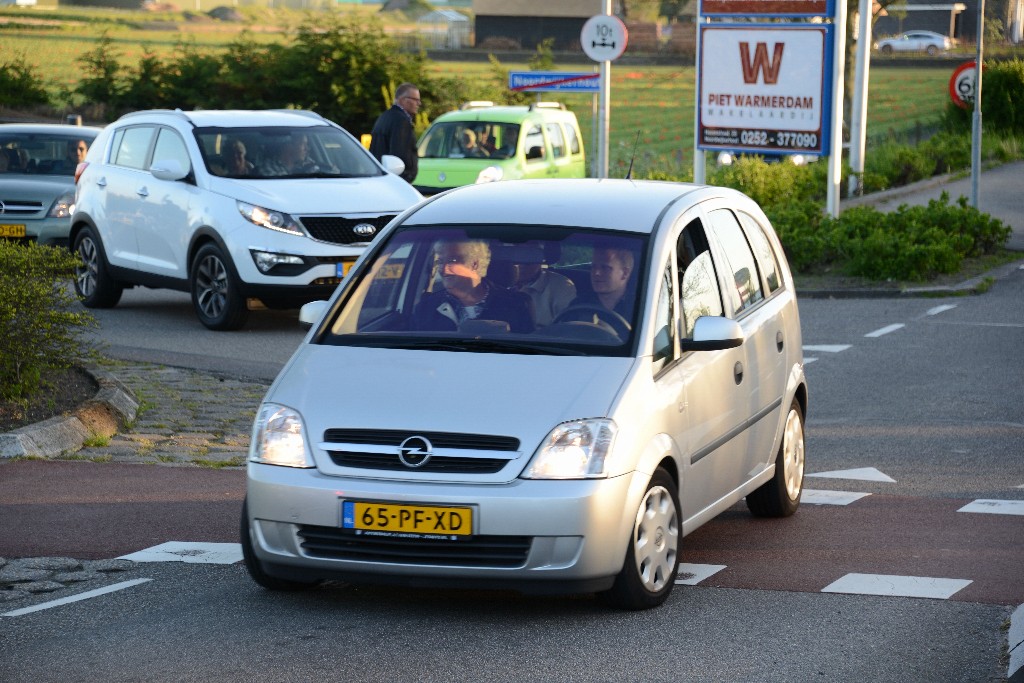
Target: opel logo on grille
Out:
[442,176]
[365,229]
[2,207]
[415,451]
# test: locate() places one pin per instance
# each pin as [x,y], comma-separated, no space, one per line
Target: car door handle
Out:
[102,182]
[142,192]
[779,343]
[737,371]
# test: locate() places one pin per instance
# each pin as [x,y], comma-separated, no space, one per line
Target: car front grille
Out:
[19,207]
[339,229]
[476,551]
[343,446]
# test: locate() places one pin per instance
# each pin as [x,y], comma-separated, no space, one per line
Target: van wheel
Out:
[216,293]
[92,279]
[780,496]
[252,564]
[652,558]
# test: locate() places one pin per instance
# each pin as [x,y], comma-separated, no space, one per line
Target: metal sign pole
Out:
[835,159]
[976,119]
[699,160]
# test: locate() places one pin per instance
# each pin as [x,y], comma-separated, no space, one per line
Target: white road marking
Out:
[197,553]
[901,586]
[827,348]
[940,309]
[995,507]
[75,598]
[819,497]
[885,330]
[861,474]
[692,574]
[809,360]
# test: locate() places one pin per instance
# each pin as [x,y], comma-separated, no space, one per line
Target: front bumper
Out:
[563,536]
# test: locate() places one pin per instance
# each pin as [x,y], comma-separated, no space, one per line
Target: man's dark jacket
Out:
[393,134]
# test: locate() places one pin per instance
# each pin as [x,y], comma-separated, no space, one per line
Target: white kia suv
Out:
[235,207]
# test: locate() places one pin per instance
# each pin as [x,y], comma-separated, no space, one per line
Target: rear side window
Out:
[131,148]
[534,144]
[557,139]
[574,140]
[766,257]
[743,274]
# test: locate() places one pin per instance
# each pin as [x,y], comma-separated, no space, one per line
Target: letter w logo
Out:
[769,69]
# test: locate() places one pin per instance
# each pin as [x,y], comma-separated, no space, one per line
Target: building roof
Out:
[576,9]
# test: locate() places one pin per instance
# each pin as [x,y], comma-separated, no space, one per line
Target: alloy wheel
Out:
[86,273]
[212,286]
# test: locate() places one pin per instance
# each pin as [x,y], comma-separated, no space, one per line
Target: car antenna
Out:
[629,173]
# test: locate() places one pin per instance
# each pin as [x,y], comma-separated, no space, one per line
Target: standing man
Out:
[393,132]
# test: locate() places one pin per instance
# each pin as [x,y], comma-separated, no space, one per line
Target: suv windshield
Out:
[470,139]
[284,152]
[496,288]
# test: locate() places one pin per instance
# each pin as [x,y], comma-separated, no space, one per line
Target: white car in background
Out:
[486,449]
[160,204]
[915,41]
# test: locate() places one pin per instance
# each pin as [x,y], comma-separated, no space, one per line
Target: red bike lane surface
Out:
[89,511]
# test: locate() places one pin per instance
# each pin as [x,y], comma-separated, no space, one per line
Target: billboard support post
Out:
[835,159]
[859,110]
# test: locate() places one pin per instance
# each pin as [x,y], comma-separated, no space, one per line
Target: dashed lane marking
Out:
[896,586]
[75,598]
[692,574]
[198,553]
[860,474]
[827,348]
[818,497]
[940,309]
[995,507]
[885,330]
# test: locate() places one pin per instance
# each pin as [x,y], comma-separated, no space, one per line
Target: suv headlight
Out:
[278,438]
[574,450]
[63,207]
[272,220]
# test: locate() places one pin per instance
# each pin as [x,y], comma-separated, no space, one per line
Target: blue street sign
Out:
[553,81]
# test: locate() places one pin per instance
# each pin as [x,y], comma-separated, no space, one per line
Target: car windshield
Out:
[469,139]
[43,153]
[496,289]
[284,152]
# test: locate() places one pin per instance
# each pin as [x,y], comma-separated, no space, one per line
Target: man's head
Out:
[407,96]
[468,139]
[463,263]
[610,271]
[77,150]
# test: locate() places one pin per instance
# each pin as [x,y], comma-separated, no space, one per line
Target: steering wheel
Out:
[587,313]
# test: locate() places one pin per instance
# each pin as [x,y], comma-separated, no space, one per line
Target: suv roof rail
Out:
[477,104]
[146,112]
[301,112]
[547,105]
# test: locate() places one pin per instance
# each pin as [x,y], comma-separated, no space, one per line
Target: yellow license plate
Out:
[12,230]
[341,269]
[407,519]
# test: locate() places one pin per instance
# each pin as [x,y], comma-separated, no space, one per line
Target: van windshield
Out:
[284,152]
[469,139]
[496,288]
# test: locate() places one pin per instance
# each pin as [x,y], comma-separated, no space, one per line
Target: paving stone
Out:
[41,586]
[15,575]
[63,564]
[107,565]
[75,577]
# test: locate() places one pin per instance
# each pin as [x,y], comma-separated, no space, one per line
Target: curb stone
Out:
[113,406]
[1015,639]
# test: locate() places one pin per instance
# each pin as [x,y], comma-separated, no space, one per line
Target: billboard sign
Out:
[765,88]
[770,8]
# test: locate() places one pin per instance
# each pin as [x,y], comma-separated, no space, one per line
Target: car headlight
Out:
[63,207]
[272,220]
[490,175]
[278,438]
[574,450]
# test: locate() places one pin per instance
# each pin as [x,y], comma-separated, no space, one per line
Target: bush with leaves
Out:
[39,326]
[20,84]
[1002,100]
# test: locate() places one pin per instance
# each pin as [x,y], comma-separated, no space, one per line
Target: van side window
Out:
[767,259]
[746,290]
[557,140]
[574,140]
[534,143]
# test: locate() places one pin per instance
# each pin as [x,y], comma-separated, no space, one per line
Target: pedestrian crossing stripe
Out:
[818,497]
[897,586]
[692,574]
[861,474]
[995,507]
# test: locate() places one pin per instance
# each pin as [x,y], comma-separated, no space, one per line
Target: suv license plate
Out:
[341,269]
[12,230]
[407,519]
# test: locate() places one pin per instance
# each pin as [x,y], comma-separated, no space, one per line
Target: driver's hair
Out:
[623,256]
[478,250]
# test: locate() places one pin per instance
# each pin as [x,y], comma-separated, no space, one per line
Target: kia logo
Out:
[415,451]
[365,229]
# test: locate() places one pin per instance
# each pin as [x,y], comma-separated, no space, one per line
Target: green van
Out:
[481,143]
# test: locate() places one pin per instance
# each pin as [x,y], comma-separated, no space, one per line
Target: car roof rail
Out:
[547,105]
[302,112]
[477,104]
[146,112]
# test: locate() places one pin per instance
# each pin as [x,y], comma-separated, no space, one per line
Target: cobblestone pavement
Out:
[185,418]
[21,578]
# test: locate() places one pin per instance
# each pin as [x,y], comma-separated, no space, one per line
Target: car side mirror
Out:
[311,313]
[714,333]
[168,169]
[392,164]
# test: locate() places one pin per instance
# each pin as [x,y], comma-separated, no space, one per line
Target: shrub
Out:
[20,84]
[1002,100]
[38,324]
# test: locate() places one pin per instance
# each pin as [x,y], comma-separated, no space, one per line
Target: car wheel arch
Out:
[202,237]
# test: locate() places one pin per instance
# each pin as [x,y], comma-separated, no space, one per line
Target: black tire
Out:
[886,49]
[252,564]
[93,283]
[932,50]
[652,558]
[780,496]
[216,293]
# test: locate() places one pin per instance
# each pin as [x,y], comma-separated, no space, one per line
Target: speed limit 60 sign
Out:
[962,85]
